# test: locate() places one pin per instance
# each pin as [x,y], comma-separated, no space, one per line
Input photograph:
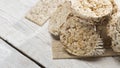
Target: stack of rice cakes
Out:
[76,23]
[85,28]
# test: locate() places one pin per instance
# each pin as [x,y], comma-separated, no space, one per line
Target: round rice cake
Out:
[114,31]
[59,17]
[115,7]
[80,38]
[92,9]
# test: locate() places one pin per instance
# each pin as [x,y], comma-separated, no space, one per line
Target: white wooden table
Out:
[24,44]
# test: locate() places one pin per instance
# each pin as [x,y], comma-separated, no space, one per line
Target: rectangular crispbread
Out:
[40,13]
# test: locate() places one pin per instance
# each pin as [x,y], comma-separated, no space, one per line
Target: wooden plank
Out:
[35,41]
[10,58]
[16,8]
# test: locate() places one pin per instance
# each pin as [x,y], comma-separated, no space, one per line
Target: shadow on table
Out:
[117,59]
[92,59]
[55,37]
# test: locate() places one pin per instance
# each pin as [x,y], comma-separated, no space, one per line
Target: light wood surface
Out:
[10,58]
[35,41]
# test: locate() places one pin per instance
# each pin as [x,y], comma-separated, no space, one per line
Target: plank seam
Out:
[36,62]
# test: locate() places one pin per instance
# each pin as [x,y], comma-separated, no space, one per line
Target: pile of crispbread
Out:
[84,27]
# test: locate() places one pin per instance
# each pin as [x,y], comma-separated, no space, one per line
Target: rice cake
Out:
[114,31]
[92,9]
[80,38]
[59,17]
[115,7]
